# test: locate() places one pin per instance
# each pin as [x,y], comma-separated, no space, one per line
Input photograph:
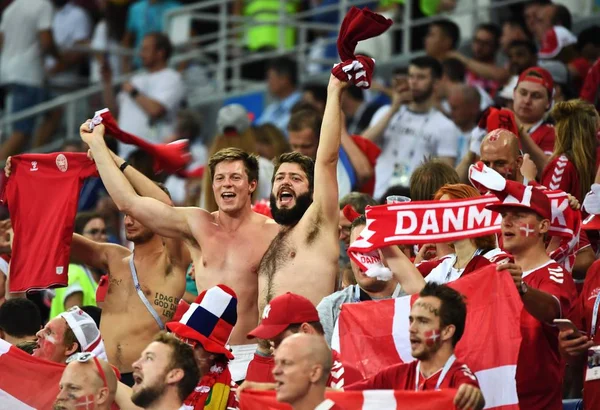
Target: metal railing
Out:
[227,45]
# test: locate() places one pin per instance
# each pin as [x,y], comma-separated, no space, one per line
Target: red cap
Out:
[517,195]
[555,39]
[538,75]
[282,311]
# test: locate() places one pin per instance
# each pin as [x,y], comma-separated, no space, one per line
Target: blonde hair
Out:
[576,128]
[246,141]
[463,191]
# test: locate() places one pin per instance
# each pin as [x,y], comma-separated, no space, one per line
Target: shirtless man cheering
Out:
[303,258]
[226,246]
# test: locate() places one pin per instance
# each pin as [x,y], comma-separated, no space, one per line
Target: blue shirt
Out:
[144,18]
[278,112]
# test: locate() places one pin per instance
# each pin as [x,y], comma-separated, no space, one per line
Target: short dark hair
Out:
[492,28]
[235,154]
[453,309]
[562,17]
[319,91]
[182,357]
[428,62]
[295,327]
[356,93]
[359,221]
[306,118]
[430,176]
[306,163]
[358,200]
[70,339]
[285,66]
[20,318]
[162,43]
[528,44]
[450,29]
[82,219]
[454,69]
[590,35]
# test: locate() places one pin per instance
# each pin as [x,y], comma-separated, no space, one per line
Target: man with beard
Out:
[437,322]
[144,288]
[165,374]
[410,132]
[226,246]
[86,383]
[367,288]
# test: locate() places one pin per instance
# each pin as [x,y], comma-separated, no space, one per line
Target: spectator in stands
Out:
[25,37]
[143,17]
[71,27]
[503,155]
[282,81]
[304,129]
[315,95]
[290,314]
[358,201]
[531,11]
[482,69]
[465,103]
[588,43]
[358,112]
[513,30]
[106,39]
[410,132]
[442,37]
[83,280]
[72,332]
[522,54]
[437,322]
[560,46]
[165,374]
[367,288]
[454,74]
[302,367]
[86,381]
[20,320]
[546,289]
[234,131]
[270,141]
[148,103]
[549,16]
[574,161]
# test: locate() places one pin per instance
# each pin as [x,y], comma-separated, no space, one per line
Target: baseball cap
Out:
[540,76]
[555,39]
[517,195]
[233,118]
[282,311]
[85,330]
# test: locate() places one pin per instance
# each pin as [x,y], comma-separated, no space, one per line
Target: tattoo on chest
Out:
[168,304]
[280,252]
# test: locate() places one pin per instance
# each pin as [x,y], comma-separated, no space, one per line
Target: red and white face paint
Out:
[85,402]
[432,337]
[526,230]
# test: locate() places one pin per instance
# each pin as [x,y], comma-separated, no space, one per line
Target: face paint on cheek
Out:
[85,403]
[526,230]
[432,337]
[48,346]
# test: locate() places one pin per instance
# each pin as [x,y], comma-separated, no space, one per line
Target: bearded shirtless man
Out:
[129,323]
[226,246]
[303,258]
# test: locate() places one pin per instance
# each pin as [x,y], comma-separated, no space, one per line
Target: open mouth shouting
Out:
[228,196]
[286,196]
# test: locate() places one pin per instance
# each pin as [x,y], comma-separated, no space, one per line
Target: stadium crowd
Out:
[137,271]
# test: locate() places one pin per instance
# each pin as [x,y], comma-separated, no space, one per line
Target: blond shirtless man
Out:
[303,258]
[226,246]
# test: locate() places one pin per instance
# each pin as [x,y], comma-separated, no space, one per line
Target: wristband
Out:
[134,93]
[123,166]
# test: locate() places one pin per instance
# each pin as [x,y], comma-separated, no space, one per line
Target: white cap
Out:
[86,332]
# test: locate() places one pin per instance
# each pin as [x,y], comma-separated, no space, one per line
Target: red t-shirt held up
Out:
[42,194]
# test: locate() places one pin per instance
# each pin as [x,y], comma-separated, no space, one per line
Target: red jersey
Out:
[582,318]
[561,174]
[544,136]
[540,367]
[42,193]
[403,376]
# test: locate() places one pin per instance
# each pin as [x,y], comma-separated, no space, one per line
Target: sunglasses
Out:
[86,357]
[96,231]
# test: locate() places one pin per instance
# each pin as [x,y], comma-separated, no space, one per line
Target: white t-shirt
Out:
[21,58]
[164,86]
[101,41]
[445,272]
[409,139]
[71,24]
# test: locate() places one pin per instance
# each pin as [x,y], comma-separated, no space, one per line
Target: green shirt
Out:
[80,280]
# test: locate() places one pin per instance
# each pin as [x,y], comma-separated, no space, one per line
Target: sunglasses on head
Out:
[86,357]
[96,231]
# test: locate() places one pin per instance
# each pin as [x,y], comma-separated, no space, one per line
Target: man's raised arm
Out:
[325,196]
[163,219]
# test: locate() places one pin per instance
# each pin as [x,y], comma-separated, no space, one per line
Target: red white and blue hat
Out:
[209,320]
